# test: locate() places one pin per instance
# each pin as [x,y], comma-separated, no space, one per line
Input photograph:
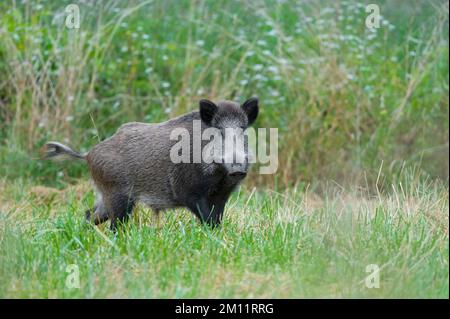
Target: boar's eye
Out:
[251,108]
[207,111]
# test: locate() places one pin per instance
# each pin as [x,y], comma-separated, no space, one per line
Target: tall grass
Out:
[345,99]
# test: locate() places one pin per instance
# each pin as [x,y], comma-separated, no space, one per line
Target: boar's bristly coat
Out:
[135,165]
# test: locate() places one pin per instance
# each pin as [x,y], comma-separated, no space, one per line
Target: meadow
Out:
[363,124]
[293,244]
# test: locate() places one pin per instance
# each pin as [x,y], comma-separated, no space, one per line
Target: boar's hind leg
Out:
[120,208]
[100,214]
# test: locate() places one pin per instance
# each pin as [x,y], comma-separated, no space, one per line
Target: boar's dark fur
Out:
[134,165]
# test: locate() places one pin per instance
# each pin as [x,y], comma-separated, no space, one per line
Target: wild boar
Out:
[136,165]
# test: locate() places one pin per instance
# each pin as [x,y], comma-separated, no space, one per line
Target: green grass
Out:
[293,244]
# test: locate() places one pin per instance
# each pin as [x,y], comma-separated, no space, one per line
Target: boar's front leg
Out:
[218,206]
[202,208]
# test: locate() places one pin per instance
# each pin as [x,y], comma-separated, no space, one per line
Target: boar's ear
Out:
[207,111]
[251,108]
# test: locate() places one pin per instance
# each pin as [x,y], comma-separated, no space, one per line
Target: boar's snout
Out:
[237,170]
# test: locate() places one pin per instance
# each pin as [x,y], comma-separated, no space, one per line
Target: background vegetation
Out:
[344,98]
[363,125]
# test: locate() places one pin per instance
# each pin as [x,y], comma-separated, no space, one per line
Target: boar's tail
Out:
[58,151]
